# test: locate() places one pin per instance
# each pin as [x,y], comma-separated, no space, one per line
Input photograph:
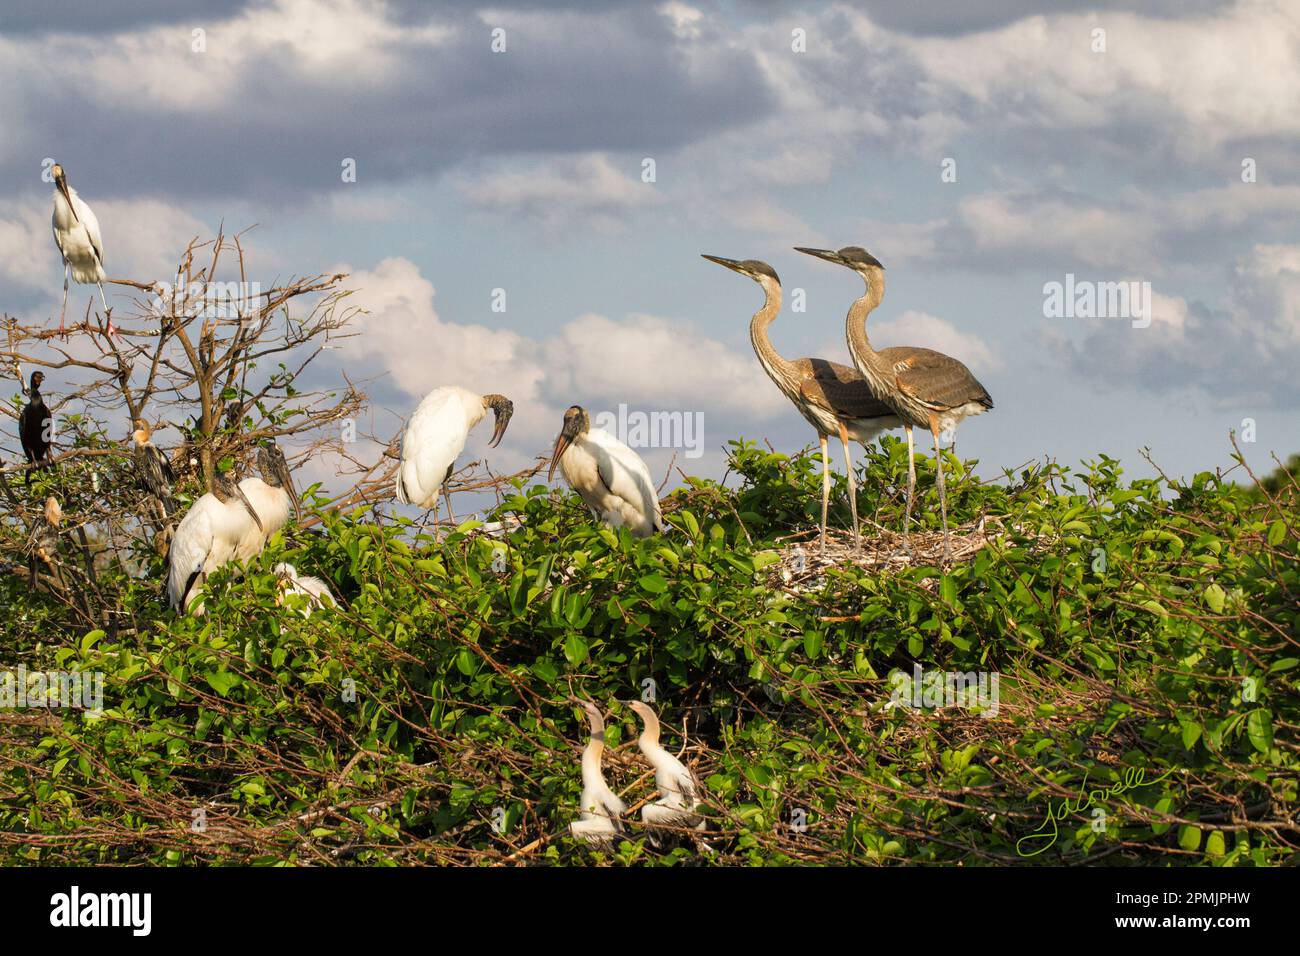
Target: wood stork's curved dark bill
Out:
[225,487]
[576,424]
[502,410]
[61,184]
[275,472]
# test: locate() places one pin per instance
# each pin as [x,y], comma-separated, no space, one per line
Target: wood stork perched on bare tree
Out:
[602,811]
[436,435]
[35,426]
[679,791]
[314,590]
[611,478]
[230,523]
[926,389]
[152,468]
[76,233]
[833,398]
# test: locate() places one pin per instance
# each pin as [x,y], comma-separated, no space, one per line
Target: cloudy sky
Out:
[980,150]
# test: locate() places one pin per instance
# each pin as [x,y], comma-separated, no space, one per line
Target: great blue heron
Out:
[600,817]
[833,398]
[76,233]
[436,435]
[926,389]
[611,478]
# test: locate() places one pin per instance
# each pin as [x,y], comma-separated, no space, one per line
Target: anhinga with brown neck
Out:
[926,389]
[833,398]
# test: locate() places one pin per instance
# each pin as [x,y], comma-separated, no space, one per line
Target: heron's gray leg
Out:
[943,500]
[853,488]
[826,484]
[911,489]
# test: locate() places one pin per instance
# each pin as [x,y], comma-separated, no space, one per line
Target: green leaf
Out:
[654,583]
[1214,598]
[575,648]
[1259,728]
[1189,837]
[222,681]
[1276,532]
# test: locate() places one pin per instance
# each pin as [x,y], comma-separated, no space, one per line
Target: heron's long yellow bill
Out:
[830,255]
[732,264]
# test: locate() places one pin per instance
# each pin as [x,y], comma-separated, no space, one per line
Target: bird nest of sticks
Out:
[803,559]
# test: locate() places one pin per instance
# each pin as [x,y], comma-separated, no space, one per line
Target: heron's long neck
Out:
[777,368]
[865,357]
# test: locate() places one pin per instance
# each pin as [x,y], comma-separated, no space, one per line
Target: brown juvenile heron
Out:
[833,398]
[926,389]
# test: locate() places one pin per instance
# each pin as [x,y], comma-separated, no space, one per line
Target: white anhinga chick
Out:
[601,815]
[679,791]
[316,591]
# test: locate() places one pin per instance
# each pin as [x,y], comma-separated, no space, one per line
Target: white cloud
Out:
[587,189]
[658,363]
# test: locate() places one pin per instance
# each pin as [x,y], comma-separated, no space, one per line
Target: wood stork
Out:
[436,435]
[602,811]
[153,469]
[35,426]
[43,543]
[926,389]
[76,233]
[215,528]
[833,398]
[679,800]
[272,498]
[315,590]
[611,478]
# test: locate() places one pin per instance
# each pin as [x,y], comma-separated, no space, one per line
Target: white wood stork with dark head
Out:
[611,478]
[272,499]
[232,522]
[76,233]
[206,538]
[679,800]
[601,815]
[436,435]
